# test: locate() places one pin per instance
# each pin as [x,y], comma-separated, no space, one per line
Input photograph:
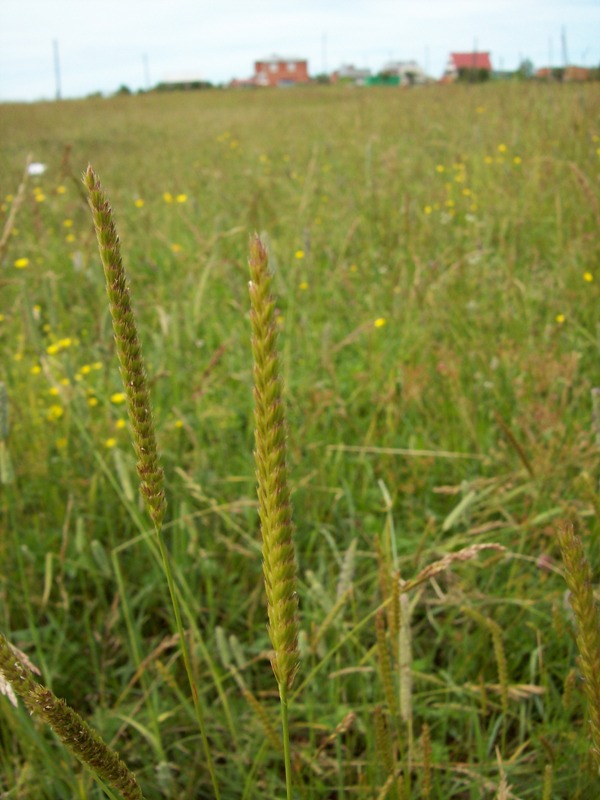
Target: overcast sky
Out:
[103,44]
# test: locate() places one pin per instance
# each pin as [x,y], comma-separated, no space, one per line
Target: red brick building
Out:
[280,71]
[460,63]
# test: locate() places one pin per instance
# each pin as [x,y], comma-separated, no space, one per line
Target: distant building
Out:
[183,80]
[348,73]
[280,71]
[409,72]
[475,65]
[570,74]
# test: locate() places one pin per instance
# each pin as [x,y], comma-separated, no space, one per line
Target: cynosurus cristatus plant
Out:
[275,510]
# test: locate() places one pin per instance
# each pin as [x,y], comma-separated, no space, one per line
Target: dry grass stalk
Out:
[340,729]
[405,661]
[466,554]
[14,209]
[426,769]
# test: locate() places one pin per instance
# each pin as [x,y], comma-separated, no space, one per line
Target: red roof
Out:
[471,60]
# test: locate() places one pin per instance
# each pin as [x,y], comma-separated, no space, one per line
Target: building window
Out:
[292,66]
[273,67]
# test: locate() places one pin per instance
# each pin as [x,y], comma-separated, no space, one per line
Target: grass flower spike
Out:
[77,736]
[578,575]
[275,510]
[133,374]
[279,562]
[129,351]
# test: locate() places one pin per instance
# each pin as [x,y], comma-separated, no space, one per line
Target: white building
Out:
[409,72]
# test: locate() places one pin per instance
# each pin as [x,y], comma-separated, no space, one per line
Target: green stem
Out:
[283,697]
[186,658]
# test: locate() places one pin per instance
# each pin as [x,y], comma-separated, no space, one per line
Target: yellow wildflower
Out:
[21,263]
[303,285]
[588,277]
[379,322]
[67,223]
[181,198]
[110,442]
[55,412]
[61,189]
[560,318]
[299,254]
[118,397]
[168,197]
[139,203]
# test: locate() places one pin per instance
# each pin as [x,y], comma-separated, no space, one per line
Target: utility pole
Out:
[565,55]
[146,71]
[56,68]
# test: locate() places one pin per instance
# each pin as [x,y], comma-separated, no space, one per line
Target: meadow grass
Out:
[435,267]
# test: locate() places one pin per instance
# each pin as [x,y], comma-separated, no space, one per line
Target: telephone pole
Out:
[56,68]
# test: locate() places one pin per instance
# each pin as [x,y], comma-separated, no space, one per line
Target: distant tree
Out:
[525,70]
[122,91]
[469,75]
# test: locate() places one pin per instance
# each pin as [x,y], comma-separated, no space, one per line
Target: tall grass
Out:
[435,342]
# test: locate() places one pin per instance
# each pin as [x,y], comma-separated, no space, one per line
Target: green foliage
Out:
[434,256]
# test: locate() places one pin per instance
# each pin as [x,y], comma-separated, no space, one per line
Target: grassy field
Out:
[436,259]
